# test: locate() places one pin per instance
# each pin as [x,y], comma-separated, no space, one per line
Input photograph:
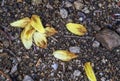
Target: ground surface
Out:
[97,14]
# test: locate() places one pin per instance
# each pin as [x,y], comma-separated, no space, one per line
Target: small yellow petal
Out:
[37,24]
[89,72]
[40,39]
[21,23]
[26,36]
[64,55]
[77,29]
[50,31]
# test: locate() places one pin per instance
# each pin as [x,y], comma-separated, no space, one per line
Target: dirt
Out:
[16,62]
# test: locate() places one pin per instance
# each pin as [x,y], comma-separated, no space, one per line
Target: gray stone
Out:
[63,13]
[118,30]
[54,66]
[68,4]
[14,69]
[96,44]
[74,49]
[86,10]
[76,73]
[27,78]
[108,39]
[78,5]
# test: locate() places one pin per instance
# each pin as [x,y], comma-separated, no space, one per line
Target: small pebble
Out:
[36,2]
[108,38]
[74,49]
[82,16]
[14,69]
[118,30]
[68,4]
[86,10]
[76,73]
[54,66]
[96,44]
[27,78]
[6,43]
[1,50]
[78,5]
[101,74]
[104,61]
[103,79]
[63,13]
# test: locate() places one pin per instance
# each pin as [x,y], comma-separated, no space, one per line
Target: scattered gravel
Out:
[39,64]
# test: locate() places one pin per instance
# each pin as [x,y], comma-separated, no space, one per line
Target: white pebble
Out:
[68,4]
[27,78]
[14,69]
[96,44]
[103,79]
[76,73]
[86,10]
[54,66]
[63,13]
[74,49]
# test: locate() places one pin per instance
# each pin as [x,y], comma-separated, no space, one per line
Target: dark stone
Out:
[108,38]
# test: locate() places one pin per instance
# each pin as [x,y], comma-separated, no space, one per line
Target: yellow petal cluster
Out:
[33,29]
[89,72]
[64,55]
[76,29]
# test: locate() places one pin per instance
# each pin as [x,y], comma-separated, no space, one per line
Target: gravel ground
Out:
[37,64]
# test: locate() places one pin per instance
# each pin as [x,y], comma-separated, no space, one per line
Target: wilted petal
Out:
[37,24]
[21,23]
[50,31]
[26,36]
[64,55]
[77,29]
[40,39]
[89,71]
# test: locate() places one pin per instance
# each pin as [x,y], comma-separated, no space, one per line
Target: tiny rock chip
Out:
[76,73]
[108,39]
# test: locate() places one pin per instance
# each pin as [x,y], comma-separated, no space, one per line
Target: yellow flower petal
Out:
[21,23]
[64,55]
[40,39]
[26,36]
[89,72]
[77,29]
[50,31]
[37,24]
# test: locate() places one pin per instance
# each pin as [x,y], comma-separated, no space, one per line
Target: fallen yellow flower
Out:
[37,24]
[40,39]
[26,36]
[89,72]
[77,29]
[33,28]
[21,23]
[64,55]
